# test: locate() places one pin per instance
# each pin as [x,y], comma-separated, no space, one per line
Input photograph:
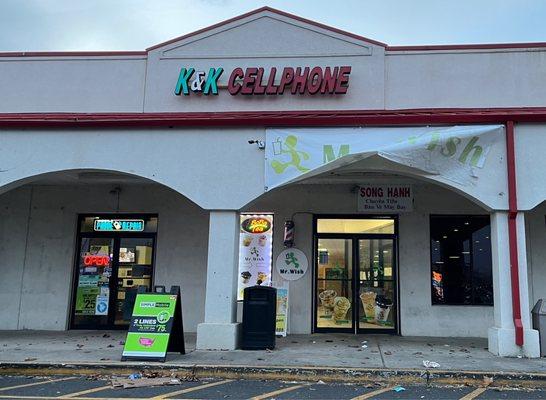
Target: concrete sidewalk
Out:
[319,350]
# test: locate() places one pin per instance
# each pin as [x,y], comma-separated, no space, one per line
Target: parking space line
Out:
[369,395]
[36,383]
[276,392]
[191,389]
[79,398]
[474,394]
[75,394]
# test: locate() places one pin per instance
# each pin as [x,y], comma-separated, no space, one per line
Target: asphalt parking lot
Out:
[76,387]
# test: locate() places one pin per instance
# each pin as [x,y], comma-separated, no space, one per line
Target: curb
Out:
[304,374]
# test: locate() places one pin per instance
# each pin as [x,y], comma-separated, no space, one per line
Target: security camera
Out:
[260,143]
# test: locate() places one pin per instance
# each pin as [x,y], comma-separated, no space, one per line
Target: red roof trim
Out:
[485,46]
[275,118]
[72,53]
[273,10]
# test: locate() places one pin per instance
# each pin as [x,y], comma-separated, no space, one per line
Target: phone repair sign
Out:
[385,198]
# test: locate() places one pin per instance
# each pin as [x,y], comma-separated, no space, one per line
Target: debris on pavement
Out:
[320,382]
[30,359]
[487,380]
[430,364]
[398,389]
[143,382]
[135,376]
[364,346]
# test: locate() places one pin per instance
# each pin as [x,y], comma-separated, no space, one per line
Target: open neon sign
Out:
[96,261]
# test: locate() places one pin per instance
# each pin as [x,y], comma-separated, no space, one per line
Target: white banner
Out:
[452,154]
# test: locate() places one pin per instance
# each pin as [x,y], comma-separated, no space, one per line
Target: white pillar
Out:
[220,331]
[502,335]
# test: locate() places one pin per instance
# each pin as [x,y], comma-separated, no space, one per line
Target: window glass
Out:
[334,283]
[377,225]
[461,260]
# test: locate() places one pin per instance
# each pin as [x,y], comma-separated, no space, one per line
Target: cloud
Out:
[40,25]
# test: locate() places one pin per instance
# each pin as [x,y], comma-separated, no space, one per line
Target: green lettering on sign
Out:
[183,80]
[328,154]
[211,84]
[471,146]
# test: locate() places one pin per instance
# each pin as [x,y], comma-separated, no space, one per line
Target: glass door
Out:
[376,285]
[115,256]
[134,270]
[94,282]
[355,274]
[334,285]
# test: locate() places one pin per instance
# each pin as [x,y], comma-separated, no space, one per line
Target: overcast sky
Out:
[46,25]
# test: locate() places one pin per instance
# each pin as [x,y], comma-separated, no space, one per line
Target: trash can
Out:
[259,318]
[539,323]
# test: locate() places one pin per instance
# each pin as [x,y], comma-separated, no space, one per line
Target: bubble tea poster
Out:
[255,251]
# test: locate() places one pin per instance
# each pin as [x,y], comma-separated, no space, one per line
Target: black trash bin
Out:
[259,318]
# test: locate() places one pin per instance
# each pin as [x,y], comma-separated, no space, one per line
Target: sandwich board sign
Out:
[156,326]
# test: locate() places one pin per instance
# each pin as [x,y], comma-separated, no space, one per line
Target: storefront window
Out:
[358,226]
[461,260]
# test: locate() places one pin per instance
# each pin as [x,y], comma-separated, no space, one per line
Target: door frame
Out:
[354,237]
[116,238]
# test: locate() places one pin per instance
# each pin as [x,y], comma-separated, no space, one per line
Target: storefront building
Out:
[408,179]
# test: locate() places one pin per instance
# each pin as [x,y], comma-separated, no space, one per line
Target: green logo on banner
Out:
[296,157]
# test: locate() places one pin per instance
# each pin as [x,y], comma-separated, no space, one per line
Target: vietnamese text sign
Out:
[151,325]
[385,198]
[255,251]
